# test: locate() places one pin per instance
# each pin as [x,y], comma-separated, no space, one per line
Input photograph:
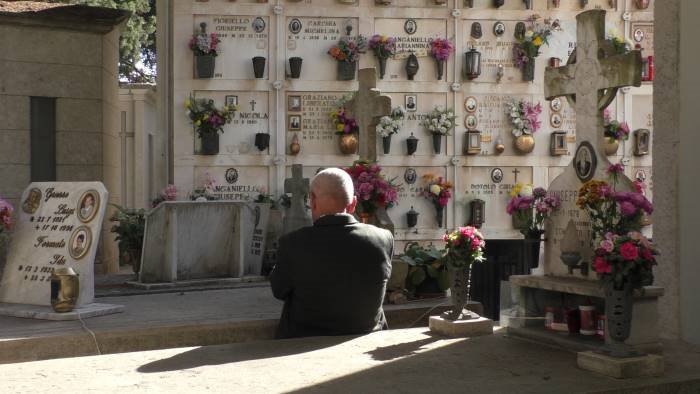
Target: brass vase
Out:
[525,143]
[294,147]
[65,288]
[348,143]
[611,146]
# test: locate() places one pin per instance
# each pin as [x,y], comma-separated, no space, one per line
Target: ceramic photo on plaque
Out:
[410,26]
[410,176]
[496,175]
[88,205]
[259,25]
[555,104]
[294,103]
[295,26]
[638,35]
[411,102]
[470,104]
[470,122]
[476,31]
[32,202]
[231,100]
[499,28]
[80,242]
[585,161]
[294,122]
[555,120]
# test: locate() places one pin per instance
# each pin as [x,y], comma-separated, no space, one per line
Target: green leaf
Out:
[418,277]
[406,259]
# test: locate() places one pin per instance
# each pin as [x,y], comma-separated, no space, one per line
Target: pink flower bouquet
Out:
[372,189]
[464,246]
[629,257]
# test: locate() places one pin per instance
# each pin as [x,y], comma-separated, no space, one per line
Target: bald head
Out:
[332,192]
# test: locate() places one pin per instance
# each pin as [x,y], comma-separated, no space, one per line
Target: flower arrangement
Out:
[439,121]
[629,257]
[531,207]
[169,193]
[206,118]
[372,189]
[6,210]
[343,124]
[528,47]
[349,49]
[383,46]
[426,264]
[464,246]
[615,130]
[440,48]
[437,190]
[203,44]
[391,124]
[524,116]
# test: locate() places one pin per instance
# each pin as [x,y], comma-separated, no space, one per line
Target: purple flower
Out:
[628,209]
[614,169]
[539,192]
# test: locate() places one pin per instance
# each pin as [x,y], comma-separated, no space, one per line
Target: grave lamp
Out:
[472,63]
[584,3]
[469,3]
[499,3]
[412,218]
[262,141]
[477,208]
[528,4]
[411,144]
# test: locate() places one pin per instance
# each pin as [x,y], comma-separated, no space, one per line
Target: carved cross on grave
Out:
[591,77]
[296,216]
[366,108]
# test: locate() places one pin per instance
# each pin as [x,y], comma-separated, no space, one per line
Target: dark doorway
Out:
[43,139]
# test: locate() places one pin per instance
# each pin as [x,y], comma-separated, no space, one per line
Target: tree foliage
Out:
[137,46]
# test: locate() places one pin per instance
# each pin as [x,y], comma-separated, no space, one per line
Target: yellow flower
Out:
[340,127]
[188,103]
[537,41]
[205,117]
[197,123]
[516,189]
[435,189]
[236,107]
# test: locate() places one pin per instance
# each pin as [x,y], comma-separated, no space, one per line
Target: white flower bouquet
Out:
[440,121]
[389,125]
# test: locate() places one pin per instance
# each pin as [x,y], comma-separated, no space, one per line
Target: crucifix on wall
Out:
[367,107]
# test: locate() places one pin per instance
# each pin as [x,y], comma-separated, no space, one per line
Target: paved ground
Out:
[400,361]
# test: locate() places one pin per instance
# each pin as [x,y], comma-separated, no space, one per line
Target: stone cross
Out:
[583,81]
[296,216]
[366,108]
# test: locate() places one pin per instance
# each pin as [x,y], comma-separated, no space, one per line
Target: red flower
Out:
[629,251]
[601,266]
[647,255]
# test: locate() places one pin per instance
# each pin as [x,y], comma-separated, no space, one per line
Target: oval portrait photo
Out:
[88,204]
[585,161]
[80,242]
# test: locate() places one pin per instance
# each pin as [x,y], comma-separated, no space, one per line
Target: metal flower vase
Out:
[382,67]
[348,143]
[611,146]
[525,143]
[437,143]
[459,293]
[618,311]
[440,64]
[529,71]
[439,214]
[346,71]
[204,65]
[386,144]
[295,67]
[259,66]
[210,143]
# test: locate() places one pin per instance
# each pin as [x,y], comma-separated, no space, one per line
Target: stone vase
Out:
[210,143]
[525,143]
[459,289]
[618,311]
[611,146]
[437,143]
[348,143]
[439,214]
[346,71]
[529,71]
[386,144]
[204,66]
[259,66]
[382,67]
[295,67]
[440,64]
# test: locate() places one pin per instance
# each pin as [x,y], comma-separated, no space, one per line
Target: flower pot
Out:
[386,144]
[259,66]
[437,143]
[439,214]
[459,292]
[412,66]
[210,143]
[440,64]
[348,143]
[382,67]
[525,143]
[520,223]
[411,144]
[295,67]
[618,311]
[204,66]
[346,71]
[529,71]
[262,141]
[611,146]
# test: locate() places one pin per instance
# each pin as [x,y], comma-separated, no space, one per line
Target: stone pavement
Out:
[167,320]
[397,361]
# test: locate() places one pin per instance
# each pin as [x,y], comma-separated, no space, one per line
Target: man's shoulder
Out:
[375,232]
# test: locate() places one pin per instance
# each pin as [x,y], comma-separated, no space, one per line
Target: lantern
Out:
[412,218]
[473,63]
[477,208]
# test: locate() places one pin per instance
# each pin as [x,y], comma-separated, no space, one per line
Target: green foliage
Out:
[130,227]
[425,263]
[137,46]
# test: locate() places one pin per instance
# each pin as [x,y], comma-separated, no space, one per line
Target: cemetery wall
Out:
[265,101]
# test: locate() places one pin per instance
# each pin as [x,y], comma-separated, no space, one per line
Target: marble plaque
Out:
[409,196]
[233,183]
[418,42]
[242,38]
[238,137]
[310,38]
[642,33]
[424,103]
[481,183]
[317,133]
[59,225]
[575,5]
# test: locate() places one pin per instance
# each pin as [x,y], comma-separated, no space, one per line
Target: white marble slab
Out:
[47,313]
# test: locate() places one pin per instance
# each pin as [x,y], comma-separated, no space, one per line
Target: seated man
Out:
[332,276]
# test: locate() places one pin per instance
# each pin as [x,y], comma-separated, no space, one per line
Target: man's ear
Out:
[351,208]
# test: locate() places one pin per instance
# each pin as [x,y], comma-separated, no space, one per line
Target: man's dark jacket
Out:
[332,277]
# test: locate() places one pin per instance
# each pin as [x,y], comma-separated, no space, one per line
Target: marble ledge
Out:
[592,288]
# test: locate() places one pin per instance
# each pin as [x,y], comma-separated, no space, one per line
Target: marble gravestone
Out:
[203,240]
[59,225]
[296,215]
